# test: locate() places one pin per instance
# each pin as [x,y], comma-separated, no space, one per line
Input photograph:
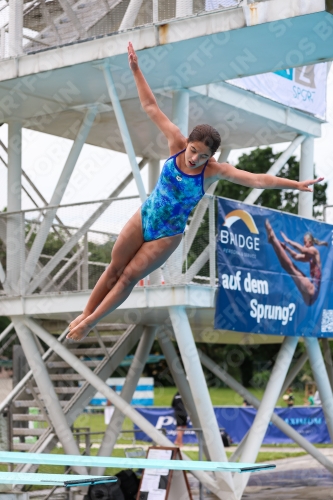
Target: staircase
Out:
[101,353]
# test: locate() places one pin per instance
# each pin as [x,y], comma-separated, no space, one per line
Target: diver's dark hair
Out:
[206,134]
[314,240]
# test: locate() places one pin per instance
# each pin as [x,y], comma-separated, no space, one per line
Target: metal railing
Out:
[77,250]
[60,22]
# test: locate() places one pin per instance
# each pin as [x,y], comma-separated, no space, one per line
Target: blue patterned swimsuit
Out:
[166,211]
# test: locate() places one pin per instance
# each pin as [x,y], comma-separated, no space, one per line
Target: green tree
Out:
[259,161]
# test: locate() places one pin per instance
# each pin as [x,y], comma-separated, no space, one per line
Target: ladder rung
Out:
[32,403]
[22,446]
[66,376]
[63,364]
[61,390]
[18,417]
[105,338]
[94,351]
[18,431]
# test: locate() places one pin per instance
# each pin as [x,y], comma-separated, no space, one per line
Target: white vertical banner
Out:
[302,88]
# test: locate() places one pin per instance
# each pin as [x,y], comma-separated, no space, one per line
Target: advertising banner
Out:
[274,271]
[143,395]
[309,422]
[303,88]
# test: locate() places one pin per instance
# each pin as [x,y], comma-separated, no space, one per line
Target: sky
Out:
[99,171]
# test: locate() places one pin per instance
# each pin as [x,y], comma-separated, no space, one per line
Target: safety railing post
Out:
[212,241]
[22,252]
[200,438]
[85,265]
[15,27]
[155,11]
[3,43]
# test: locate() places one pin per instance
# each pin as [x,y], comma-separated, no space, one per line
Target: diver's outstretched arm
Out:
[258,181]
[150,106]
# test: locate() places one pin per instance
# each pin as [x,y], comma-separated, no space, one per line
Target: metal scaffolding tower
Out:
[52,83]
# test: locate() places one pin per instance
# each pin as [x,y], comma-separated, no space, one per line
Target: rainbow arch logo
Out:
[244,216]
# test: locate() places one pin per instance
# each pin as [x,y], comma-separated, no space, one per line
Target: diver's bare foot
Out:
[77,321]
[80,331]
[270,232]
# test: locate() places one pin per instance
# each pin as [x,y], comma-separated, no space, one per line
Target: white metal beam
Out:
[131,14]
[118,402]
[5,332]
[14,235]
[61,271]
[181,109]
[153,173]
[81,31]
[18,388]
[328,360]
[294,371]
[276,167]
[124,132]
[15,27]
[47,391]
[288,381]
[275,419]
[322,381]
[197,382]
[2,274]
[266,408]
[179,377]
[197,264]
[134,373]
[48,20]
[58,193]
[215,30]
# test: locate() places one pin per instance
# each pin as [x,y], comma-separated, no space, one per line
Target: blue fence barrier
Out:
[309,422]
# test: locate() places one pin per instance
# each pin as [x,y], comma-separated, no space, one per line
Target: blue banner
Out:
[309,422]
[275,272]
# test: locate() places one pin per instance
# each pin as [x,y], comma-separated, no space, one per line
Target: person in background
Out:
[310,401]
[180,416]
[316,397]
[289,397]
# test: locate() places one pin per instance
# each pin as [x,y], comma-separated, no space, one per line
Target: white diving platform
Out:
[49,90]
[146,305]
[128,463]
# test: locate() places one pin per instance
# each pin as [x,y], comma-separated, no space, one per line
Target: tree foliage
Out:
[259,161]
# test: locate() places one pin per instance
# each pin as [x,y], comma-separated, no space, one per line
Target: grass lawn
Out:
[163,397]
[220,396]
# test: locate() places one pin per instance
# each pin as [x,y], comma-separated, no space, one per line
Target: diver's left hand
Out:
[304,185]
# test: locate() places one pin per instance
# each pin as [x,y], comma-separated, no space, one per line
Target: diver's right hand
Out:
[132,57]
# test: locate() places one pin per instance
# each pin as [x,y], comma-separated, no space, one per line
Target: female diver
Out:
[309,288]
[156,229]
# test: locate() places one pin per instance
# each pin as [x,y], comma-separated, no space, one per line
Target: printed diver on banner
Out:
[259,277]
[154,232]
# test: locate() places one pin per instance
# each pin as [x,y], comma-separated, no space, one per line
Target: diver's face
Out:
[196,154]
[307,242]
